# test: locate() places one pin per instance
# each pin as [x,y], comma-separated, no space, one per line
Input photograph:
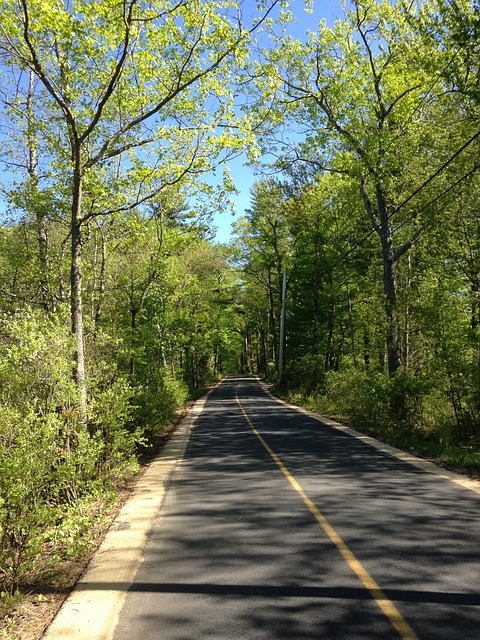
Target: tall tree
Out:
[147,82]
[364,99]
[263,253]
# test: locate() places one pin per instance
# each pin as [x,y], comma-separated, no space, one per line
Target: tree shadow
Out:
[236,554]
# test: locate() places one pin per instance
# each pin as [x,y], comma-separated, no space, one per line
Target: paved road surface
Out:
[278,527]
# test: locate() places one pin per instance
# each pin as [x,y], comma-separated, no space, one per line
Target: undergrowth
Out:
[58,478]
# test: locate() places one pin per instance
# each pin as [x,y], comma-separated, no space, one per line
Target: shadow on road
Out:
[236,554]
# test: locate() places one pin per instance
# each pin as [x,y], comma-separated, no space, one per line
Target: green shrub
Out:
[111,427]
[374,399]
[29,489]
[36,362]
[49,465]
[407,394]
[158,401]
[307,373]
[357,394]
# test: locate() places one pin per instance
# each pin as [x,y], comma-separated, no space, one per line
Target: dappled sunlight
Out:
[236,554]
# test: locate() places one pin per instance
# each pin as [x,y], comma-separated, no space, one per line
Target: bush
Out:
[29,491]
[306,373]
[111,412]
[407,394]
[158,402]
[356,394]
[35,362]
[49,464]
[372,398]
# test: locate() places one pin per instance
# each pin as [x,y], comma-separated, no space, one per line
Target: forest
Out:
[117,304]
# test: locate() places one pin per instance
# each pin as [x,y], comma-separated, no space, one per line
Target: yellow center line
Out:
[385,604]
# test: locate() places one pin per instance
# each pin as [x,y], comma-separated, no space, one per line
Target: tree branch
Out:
[128,18]
[36,66]
[368,206]
[179,88]
[407,245]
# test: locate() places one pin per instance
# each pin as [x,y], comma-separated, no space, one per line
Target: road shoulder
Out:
[92,609]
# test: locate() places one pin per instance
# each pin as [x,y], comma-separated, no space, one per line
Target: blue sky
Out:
[243,176]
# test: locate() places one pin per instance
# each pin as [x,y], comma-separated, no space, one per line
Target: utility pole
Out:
[282,329]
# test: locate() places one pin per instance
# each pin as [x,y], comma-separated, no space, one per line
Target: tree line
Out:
[116,303]
[373,215]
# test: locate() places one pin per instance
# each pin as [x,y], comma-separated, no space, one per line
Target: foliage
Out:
[379,206]
[159,403]
[48,464]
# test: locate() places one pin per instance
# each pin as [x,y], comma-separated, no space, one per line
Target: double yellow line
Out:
[387,607]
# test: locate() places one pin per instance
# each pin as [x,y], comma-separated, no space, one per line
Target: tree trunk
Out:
[366,349]
[316,296]
[102,283]
[42,235]
[133,326]
[389,283]
[381,224]
[62,296]
[76,294]
[135,310]
[406,322]
[392,333]
[329,354]
[272,318]
[42,240]
[475,293]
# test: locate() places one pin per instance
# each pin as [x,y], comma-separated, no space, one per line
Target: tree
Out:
[24,153]
[452,27]
[263,253]
[143,83]
[365,102]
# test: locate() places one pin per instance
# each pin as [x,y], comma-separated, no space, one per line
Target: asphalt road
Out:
[276,526]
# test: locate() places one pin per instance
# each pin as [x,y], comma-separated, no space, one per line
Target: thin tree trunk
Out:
[133,326]
[389,284]
[76,294]
[316,293]
[475,294]
[406,326]
[61,283]
[162,348]
[135,310]
[350,318]
[42,235]
[329,356]
[392,333]
[272,319]
[366,349]
[102,283]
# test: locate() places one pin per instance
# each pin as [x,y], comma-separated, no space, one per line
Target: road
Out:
[276,526]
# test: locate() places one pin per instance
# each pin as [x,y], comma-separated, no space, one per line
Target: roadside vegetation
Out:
[117,306]
[373,217]
[115,303]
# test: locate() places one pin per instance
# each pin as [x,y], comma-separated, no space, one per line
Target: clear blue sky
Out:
[244,176]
